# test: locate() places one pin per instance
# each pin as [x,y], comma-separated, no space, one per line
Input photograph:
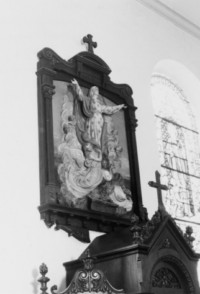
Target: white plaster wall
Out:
[131,39]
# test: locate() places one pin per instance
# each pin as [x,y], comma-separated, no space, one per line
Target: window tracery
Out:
[179,148]
[165,278]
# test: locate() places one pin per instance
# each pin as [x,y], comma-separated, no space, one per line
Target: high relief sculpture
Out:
[91,152]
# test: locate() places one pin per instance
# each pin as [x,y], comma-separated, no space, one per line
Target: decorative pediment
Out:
[92,60]
[86,280]
[163,228]
[156,251]
[84,65]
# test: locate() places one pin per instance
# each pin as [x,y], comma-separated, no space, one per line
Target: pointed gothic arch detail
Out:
[178,141]
[180,276]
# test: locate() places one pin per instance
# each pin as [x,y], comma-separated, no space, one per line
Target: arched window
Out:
[179,149]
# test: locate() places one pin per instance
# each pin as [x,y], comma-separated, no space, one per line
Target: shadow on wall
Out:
[34,283]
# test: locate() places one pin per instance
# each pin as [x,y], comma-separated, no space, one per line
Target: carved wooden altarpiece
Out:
[89,174]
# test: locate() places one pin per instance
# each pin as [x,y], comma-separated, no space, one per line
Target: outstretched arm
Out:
[78,89]
[112,109]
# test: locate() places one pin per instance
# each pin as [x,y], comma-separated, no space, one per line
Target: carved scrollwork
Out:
[86,280]
[90,281]
[53,289]
[50,55]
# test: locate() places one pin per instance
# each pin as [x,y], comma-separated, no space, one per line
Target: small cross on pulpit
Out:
[88,39]
[159,188]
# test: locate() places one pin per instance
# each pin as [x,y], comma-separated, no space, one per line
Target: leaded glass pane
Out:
[179,149]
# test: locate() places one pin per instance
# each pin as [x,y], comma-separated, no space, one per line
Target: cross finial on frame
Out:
[88,39]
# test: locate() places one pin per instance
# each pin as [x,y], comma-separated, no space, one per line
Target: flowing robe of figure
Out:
[78,180]
[89,115]
[82,170]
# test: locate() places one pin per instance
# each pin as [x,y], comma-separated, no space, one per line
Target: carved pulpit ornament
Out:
[89,173]
[86,280]
[188,236]
[159,188]
[165,278]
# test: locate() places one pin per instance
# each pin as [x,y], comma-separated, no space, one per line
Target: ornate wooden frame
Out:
[90,70]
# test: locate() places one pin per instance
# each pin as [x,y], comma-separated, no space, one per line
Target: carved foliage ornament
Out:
[165,278]
[188,236]
[166,244]
[141,233]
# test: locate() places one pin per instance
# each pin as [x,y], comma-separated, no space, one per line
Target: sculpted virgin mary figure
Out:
[89,129]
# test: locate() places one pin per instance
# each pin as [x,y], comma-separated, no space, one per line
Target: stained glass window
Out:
[179,149]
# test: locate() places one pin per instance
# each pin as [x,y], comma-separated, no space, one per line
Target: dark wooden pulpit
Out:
[155,257]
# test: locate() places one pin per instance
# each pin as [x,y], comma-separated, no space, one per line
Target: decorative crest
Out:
[88,261]
[87,280]
[159,188]
[88,39]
